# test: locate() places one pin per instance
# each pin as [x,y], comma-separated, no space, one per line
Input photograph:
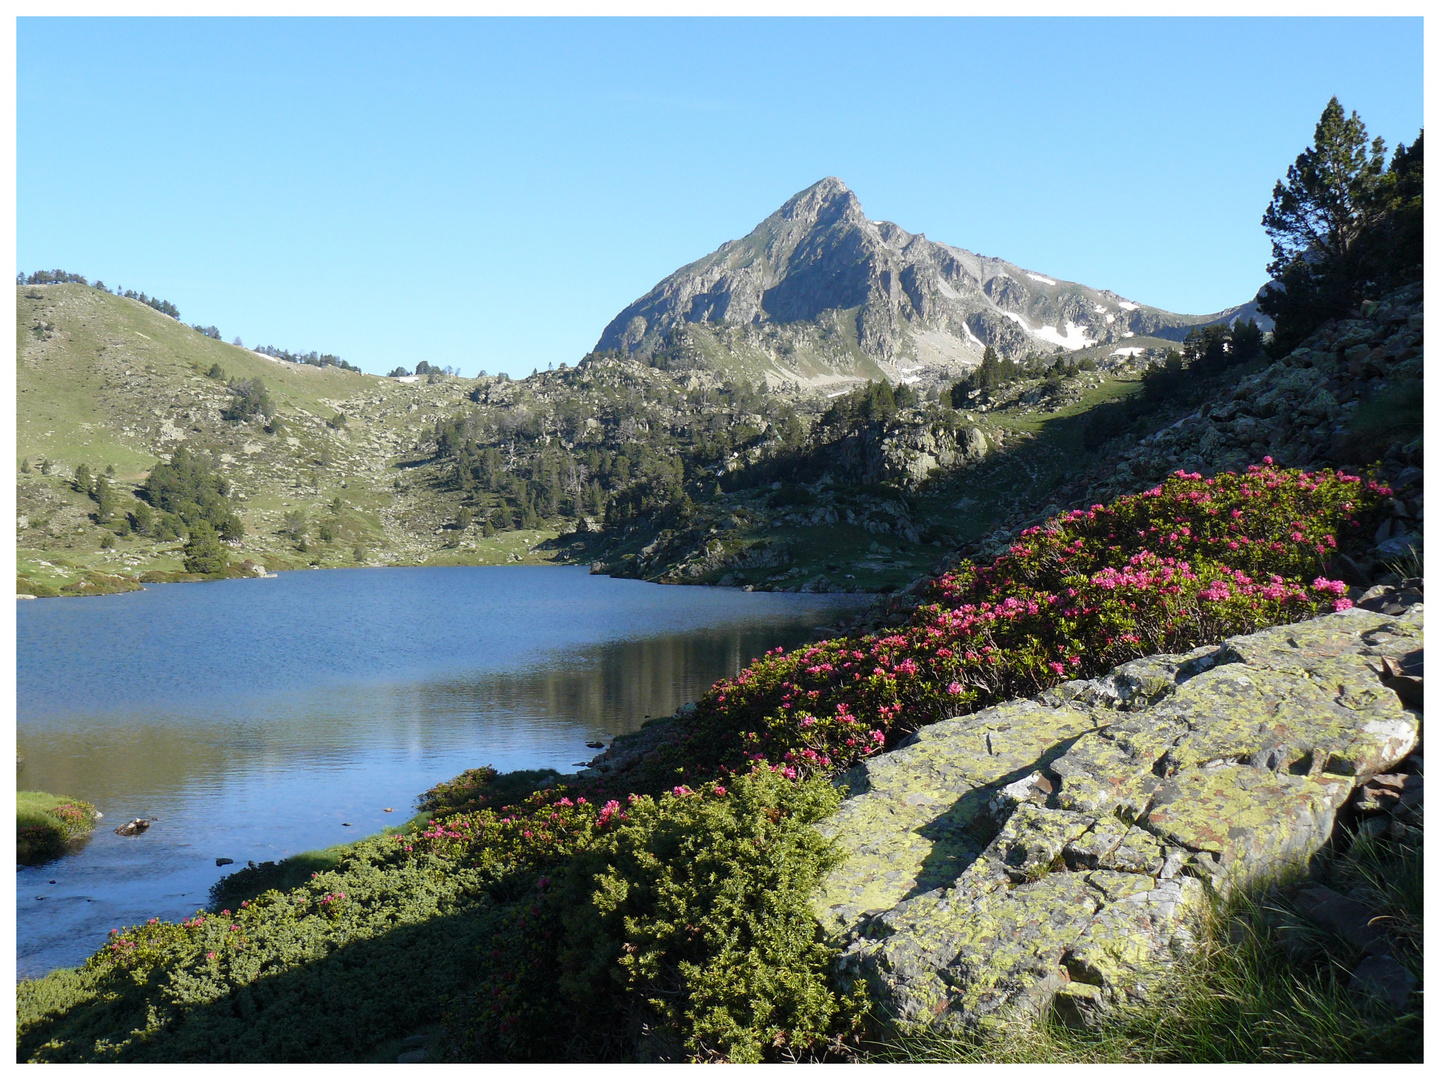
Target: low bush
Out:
[45,824]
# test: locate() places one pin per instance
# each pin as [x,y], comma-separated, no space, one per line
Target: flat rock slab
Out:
[1049,853]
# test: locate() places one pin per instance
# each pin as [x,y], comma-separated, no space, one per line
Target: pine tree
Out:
[204,554]
[1323,203]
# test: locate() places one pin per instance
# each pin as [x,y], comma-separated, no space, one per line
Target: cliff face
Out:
[818,289]
[1050,851]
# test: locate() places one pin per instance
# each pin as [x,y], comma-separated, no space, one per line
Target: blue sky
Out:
[490,193]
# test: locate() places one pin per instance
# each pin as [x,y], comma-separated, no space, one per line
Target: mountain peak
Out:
[818,294]
[827,199]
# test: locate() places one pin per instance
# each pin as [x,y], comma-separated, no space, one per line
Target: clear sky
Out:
[490,193]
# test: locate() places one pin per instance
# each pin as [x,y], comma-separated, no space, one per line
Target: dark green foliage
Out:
[398,373]
[208,331]
[84,482]
[312,358]
[142,519]
[326,532]
[1245,339]
[193,491]
[484,788]
[336,422]
[162,306]
[216,372]
[204,554]
[1341,224]
[1167,378]
[355,957]
[248,399]
[53,277]
[992,373]
[683,932]
[105,500]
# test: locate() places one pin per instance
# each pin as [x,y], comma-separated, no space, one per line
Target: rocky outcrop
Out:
[1048,853]
[1305,409]
[817,292]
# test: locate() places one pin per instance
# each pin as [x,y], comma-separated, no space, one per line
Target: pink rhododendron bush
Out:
[1191,561]
[662,910]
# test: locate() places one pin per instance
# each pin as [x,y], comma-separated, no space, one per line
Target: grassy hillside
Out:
[111,383]
[712,475]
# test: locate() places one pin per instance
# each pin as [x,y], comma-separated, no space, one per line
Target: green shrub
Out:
[476,789]
[46,824]
[34,588]
[681,930]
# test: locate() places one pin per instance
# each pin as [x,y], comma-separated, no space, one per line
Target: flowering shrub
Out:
[671,899]
[1190,561]
[42,834]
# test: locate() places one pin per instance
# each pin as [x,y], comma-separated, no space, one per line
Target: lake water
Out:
[251,718]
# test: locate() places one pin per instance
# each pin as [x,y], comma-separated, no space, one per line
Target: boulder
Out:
[1049,854]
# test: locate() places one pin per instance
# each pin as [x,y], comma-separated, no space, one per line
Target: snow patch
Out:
[407,378]
[1040,278]
[1128,333]
[971,335]
[1073,337]
[1133,350]
[1109,317]
[1126,305]
[946,289]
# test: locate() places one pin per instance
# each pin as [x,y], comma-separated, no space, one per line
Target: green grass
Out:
[45,824]
[1264,984]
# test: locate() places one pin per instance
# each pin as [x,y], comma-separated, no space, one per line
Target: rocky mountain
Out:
[818,295]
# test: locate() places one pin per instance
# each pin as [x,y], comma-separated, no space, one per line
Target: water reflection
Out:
[324,701]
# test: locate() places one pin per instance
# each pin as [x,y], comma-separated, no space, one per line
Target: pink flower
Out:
[719,790]
[953,688]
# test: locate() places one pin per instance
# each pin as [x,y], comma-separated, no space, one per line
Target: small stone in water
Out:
[389,809]
[345,823]
[223,862]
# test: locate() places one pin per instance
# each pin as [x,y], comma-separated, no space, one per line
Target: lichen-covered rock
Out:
[1048,852]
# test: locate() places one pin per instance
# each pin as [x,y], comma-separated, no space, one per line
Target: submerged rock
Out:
[1048,853]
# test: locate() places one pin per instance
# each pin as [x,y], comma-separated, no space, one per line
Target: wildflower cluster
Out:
[1192,560]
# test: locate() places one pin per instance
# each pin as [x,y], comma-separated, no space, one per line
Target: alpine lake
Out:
[255,719]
